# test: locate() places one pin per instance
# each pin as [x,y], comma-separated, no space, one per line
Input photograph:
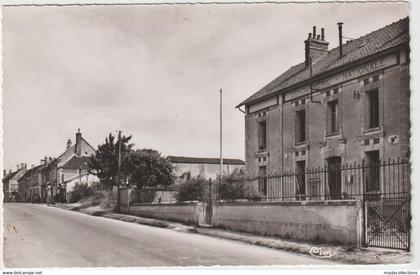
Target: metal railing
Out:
[384,178]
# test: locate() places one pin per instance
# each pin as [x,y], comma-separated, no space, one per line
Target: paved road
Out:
[42,236]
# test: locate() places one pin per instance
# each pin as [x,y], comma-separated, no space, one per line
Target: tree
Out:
[193,189]
[149,169]
[104,164]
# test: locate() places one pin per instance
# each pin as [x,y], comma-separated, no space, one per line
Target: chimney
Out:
[68,144]
[315,46]
[78,148]
[340,37]
[4,173]
[17,167]
[32,166]
[44,161]
[10,171]
[22,165]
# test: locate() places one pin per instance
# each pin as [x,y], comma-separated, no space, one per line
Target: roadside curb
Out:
[340,254]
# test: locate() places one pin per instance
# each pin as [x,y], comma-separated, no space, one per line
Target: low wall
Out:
[323,221]
[189,213]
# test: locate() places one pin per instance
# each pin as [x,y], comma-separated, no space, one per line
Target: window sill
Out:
[260,151]
[337,133]
[299,143]
[372,130]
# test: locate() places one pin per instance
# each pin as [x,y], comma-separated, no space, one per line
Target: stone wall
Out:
[323,221]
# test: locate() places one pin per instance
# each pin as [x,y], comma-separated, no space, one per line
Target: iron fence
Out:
[365,180]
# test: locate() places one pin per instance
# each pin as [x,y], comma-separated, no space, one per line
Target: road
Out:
[42,236]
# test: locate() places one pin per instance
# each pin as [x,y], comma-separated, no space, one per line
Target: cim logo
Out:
[321,252]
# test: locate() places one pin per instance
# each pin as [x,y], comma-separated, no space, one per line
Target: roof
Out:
[9,176]
[179,159]
[377,41]
[33,170]
[76,162]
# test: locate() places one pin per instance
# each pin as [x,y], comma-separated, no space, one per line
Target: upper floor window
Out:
[373,109]
[332,117]
[300,126]
[262,135]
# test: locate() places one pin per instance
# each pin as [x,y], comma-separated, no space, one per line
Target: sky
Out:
[154,71]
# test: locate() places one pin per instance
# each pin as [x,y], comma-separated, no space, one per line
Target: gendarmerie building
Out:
[344,105]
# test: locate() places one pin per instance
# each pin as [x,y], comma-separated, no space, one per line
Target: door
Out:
[334,178]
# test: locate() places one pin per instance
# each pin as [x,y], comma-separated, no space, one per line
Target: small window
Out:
[375,78]
[335,91]
[332,117]
[300,126]
[366,81]
[373,109]
[262,135]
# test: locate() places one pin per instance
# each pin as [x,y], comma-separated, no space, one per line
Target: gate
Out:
[387,222]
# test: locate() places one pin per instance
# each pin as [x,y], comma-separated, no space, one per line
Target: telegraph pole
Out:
[118,171]
[221,135]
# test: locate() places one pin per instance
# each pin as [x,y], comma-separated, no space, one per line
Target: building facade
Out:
[340,106]
[69,168]
[205,167]
[11,184]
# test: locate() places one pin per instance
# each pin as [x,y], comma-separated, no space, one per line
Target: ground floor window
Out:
[262,180]
[300,180]
[372,175]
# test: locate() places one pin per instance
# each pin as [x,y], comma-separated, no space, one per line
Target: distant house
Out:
[11,184]
[31,185]
[206,167]
[69,168]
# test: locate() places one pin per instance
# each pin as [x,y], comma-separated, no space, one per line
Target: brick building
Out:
[339,106]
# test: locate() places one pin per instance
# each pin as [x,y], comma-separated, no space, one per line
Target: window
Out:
[372,171]
[300,126]
[262,135]
[300,178]
[262,180]
[332,117]
[373,109]
[334,178]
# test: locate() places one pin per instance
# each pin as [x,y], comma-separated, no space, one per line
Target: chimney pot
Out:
[322,34]
[4,172]
[315,46]
[17,167]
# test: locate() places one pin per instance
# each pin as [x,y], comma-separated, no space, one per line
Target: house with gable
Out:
[11,184]
[69,168]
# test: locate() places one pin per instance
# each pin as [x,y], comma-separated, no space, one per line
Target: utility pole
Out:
[118,171]
[221,134]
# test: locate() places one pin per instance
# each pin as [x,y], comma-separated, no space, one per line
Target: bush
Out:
[80,191]
[235,186]
[193,189]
